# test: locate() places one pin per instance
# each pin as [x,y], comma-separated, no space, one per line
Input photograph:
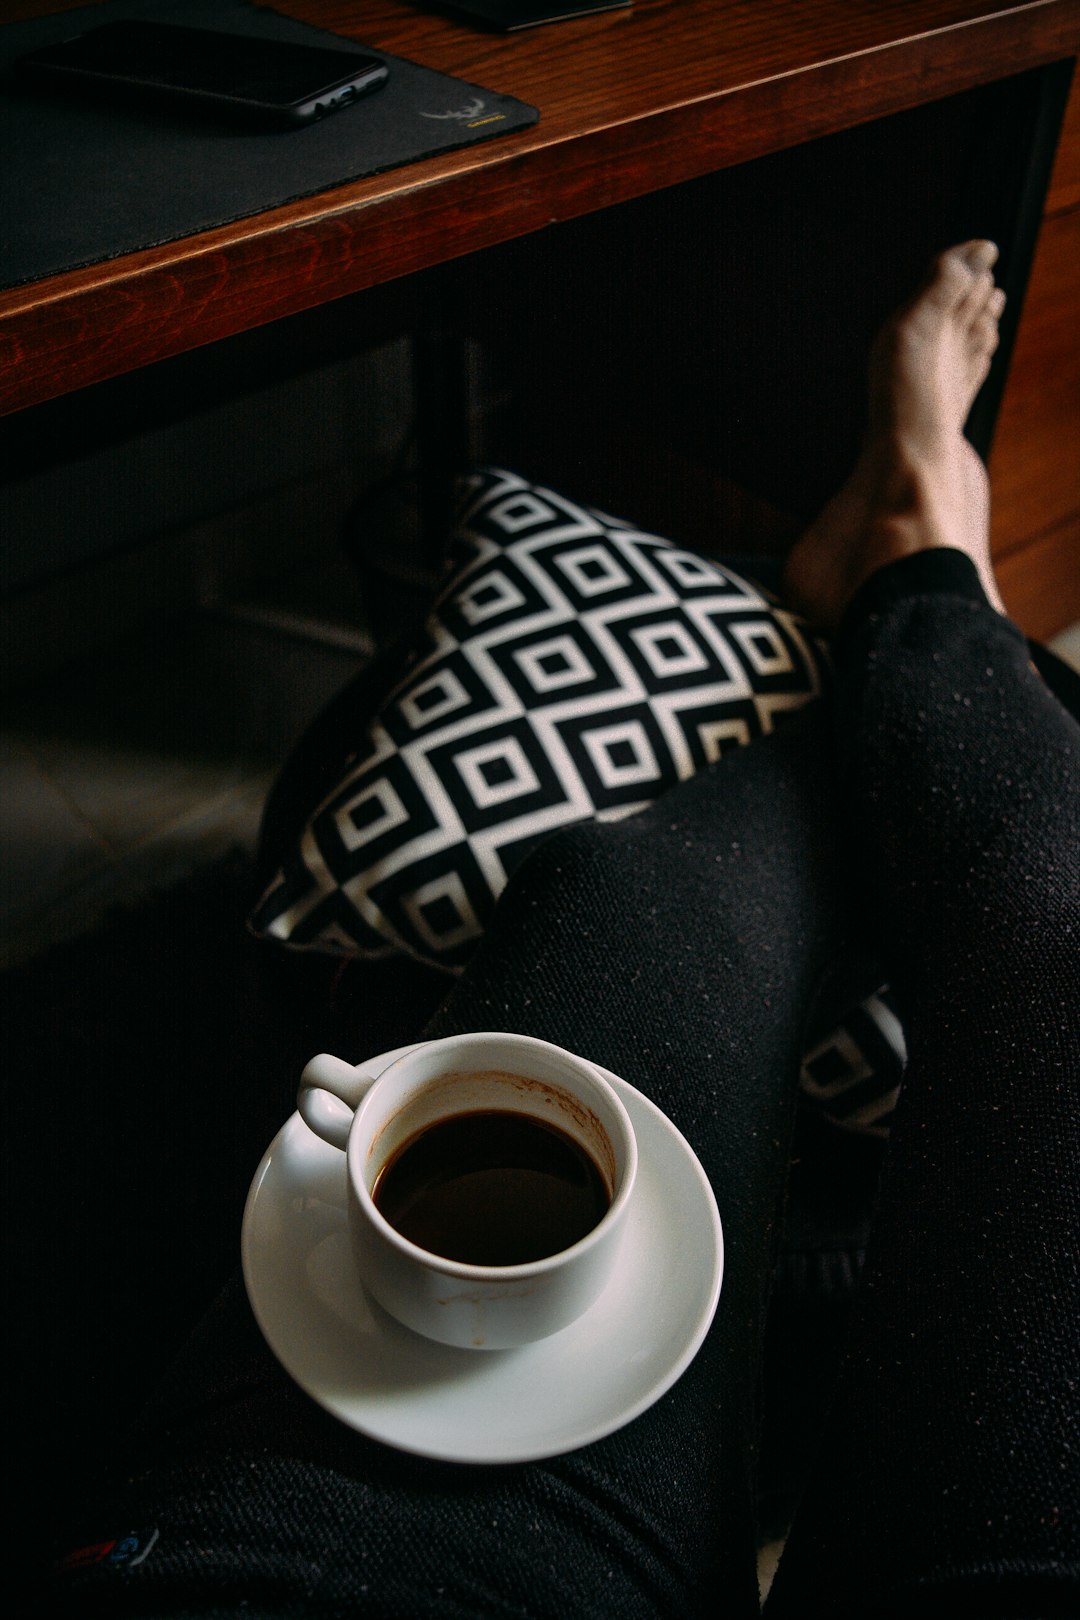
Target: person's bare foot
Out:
[918,483]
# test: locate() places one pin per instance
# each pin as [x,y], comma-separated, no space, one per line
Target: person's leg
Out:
[681,948]
[949,1477]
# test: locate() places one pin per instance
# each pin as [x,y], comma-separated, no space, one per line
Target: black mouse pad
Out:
[506,15]
[83,179]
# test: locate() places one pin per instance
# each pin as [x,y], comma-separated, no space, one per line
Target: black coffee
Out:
[491,1188]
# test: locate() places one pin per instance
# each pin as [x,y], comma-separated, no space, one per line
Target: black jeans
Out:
[929,812]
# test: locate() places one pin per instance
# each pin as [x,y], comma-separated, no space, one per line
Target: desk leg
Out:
[1018,247]
[443,420]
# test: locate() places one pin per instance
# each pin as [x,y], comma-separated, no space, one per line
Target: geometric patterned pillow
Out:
[571,667]
[853,1074]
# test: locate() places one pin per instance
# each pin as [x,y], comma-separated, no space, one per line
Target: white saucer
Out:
[496,1406]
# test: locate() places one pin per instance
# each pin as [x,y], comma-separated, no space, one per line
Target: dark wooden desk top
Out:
[630,102]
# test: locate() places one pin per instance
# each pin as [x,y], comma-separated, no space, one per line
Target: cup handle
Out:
[330,1090]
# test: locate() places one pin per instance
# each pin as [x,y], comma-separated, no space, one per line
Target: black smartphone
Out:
[270,83]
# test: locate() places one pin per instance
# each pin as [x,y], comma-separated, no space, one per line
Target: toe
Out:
[979,254]
[950,280]
[975,302]
[985,335]
[983,329]
[961,273]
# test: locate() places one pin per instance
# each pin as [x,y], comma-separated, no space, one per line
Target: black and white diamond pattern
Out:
[573,667]
[853,1075]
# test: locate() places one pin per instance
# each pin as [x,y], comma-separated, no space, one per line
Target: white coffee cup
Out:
[372,1115]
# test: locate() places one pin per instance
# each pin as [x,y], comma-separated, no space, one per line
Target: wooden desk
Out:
[631,102]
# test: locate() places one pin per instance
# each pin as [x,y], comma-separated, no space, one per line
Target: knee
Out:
[573,868]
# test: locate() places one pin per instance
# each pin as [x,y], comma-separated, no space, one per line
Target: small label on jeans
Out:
[127,1551]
